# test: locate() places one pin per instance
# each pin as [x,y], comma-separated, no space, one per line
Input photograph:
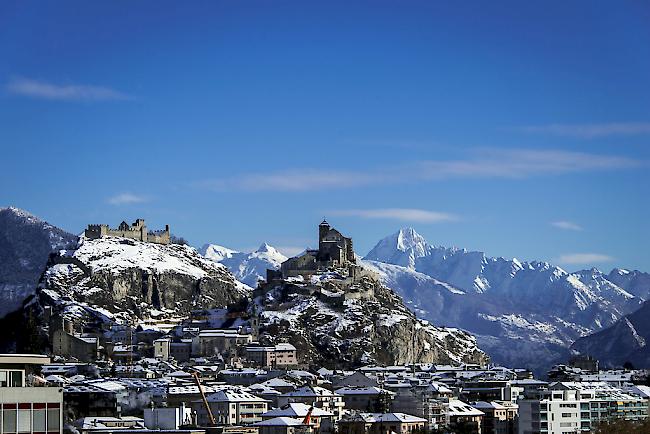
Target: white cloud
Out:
[402,214]
[589,131]
[566,225]
[485,163]
[71,92]
[126,198]
[584,258]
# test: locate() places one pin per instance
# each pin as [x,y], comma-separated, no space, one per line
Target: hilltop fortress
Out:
[334,252]
[136,231]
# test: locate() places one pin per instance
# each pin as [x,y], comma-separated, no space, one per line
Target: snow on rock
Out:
[121,278]
[335,326]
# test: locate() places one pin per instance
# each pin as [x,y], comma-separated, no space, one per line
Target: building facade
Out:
[26,409]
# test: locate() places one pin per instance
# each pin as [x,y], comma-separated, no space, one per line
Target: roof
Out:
[372,390]
[24,359]
[280,421]
[310,391]
[234,395]
[382,418]
[296,409]
[459,408]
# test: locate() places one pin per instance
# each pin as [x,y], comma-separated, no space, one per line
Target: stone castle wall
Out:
[136,232]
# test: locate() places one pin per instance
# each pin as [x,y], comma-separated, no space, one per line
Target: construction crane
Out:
[307,419]
[213,422]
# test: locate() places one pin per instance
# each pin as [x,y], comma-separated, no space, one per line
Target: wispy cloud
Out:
[69,92]
[126,199]
[588,131]
[566,225]
[402,214]
[485,163]
[293,180]
[584,258]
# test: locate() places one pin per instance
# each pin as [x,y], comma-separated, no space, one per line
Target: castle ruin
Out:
[136,231]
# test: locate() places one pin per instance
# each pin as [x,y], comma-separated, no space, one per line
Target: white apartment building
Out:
[555,412]
[231,407]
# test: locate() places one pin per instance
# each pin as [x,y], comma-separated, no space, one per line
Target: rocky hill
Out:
[523,313]
[625,341]
[365,323]
[126,279]
[25,245]
[248,268]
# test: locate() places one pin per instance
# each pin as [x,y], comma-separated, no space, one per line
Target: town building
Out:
[320,420]
[381,423]
[283,354]
[284,425]
[465,418]
[370,399]
[500,417]
[231,407]
[219,341]
[316,396]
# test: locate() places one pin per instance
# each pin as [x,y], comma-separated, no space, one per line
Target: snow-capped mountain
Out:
[625,341]
[25,244]
[521,312]
[248,268]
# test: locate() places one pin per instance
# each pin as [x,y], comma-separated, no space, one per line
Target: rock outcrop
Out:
[365,323]
[127,279]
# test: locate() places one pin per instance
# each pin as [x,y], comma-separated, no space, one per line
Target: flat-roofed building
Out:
[27,409]
[231,407]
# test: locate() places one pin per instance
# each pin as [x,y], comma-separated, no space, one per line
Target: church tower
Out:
[323,229]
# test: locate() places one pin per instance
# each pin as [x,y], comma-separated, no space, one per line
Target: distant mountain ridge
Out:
[625,341]
[522,312]
[248,268]
[25,245]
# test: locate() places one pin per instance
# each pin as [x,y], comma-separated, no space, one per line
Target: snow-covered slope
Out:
[247,267]
[349,326]
[124,279]
[25,244]
[521,312]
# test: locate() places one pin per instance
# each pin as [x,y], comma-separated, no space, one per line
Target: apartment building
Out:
[25,408]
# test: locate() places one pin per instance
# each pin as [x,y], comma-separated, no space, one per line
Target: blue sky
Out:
[515,128]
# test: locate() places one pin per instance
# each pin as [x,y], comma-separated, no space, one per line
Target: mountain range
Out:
[523,313]
[25,245]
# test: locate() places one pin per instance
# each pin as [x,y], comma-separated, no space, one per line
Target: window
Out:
[24,420]
[15,379]
[53,419]
[39,420]
[8,420]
